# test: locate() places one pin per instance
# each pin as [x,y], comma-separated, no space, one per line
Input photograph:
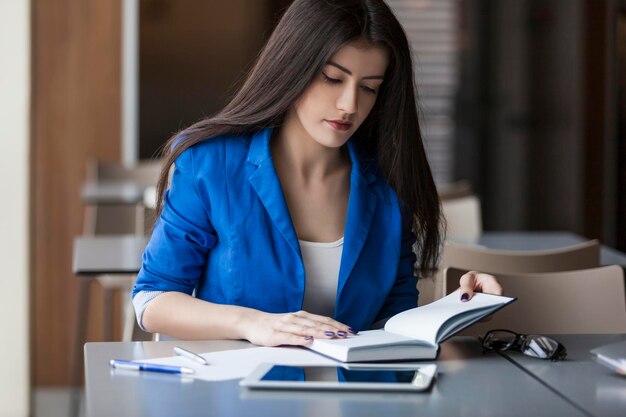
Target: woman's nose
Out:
[348,100]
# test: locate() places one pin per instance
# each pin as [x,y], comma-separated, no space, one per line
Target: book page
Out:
[423,323]
[366,339]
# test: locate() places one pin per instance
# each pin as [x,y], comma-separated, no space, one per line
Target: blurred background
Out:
[524,101]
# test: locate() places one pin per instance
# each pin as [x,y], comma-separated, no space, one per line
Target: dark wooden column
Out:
[595,15]
[621,129]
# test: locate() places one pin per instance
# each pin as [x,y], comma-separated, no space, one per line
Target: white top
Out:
[321,264]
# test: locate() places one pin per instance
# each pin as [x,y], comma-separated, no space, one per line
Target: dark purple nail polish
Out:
[308,337]
[329,333]
[351,330]
[340,333]
[464,297]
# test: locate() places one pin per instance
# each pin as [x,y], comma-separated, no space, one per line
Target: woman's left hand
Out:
[475,281]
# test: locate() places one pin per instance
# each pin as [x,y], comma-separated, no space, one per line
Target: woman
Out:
[303,198]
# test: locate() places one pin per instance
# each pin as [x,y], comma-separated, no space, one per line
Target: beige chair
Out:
[462,211]
[581,301]
[582,256]
[463,219]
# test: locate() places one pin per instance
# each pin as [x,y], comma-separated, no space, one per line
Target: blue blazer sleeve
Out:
[403,295]
[183,235]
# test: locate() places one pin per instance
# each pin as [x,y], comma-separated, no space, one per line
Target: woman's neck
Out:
[295,152]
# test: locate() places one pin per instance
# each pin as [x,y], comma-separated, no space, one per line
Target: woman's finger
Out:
[294,318]
[489,284]
[300,323]
[475,281]
[280,338]
[467,285]
[325,332]
[323,321]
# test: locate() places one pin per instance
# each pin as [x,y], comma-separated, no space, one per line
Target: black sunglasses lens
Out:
[499,340]
[540,347]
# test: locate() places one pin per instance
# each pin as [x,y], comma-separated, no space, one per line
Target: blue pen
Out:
[150,367]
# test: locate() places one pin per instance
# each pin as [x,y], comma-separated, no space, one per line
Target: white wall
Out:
[14,207]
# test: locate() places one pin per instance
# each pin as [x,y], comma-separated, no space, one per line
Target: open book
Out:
[415,333]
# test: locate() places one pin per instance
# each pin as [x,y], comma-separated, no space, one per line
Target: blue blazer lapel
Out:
[265,182]
[361,203]
[361,208]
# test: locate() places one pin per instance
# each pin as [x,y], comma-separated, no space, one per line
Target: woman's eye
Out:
[368,89]
[330,80]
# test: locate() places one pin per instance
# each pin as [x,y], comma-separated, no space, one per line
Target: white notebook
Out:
[415,333]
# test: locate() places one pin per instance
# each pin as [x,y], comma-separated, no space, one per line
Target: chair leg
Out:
[140,220]
[129,317]
[82,315]
[107,317]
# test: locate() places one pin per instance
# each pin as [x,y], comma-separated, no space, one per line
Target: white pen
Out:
[190,355]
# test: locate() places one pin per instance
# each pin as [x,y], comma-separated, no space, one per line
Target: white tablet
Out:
[359,377]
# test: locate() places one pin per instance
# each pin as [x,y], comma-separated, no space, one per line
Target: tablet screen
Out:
[339,375]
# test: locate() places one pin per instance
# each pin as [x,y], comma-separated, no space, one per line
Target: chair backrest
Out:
[144,172]
[583,301]
[463,218]
[452,190]
[581,256]
[120,218]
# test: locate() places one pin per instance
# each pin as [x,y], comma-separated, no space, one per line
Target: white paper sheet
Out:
[238,363]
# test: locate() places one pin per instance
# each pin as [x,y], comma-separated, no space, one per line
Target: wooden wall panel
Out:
[76,116]
[621,128]
[596,16]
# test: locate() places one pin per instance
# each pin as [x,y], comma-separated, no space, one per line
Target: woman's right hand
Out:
[299,328]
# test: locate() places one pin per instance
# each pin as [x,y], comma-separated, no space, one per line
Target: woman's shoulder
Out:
[217,146]
[375,177]
[218,153]
[369,167]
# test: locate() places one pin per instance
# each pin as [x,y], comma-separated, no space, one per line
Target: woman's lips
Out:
[339,125]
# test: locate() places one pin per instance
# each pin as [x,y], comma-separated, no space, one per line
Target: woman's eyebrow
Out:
[347,71]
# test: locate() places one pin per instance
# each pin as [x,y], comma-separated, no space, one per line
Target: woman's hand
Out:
[299,328]
[475,281]
[478,282]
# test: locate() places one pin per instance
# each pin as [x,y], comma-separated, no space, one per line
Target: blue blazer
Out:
[226,232]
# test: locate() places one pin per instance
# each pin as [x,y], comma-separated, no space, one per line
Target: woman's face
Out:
[342,95]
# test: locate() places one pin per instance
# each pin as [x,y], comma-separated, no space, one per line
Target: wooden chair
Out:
[107,219]
[110,219]
[462,188]
[121,218]
[469,257]
[582,301]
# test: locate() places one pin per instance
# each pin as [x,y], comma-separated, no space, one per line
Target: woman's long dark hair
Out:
[307,35]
